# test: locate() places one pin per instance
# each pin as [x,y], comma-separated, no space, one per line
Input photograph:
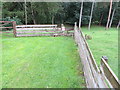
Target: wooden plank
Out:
[23,35]
[6,27]
[93,77]
[36,26]
[90,53]
[52,34]
[38,31]
[71,29]
[4,24]
[35,29]
[6,21]
[109,74]
[94,68]
[7,32]
[87,71]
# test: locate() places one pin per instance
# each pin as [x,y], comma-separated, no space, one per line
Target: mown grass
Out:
[104,43]
[40,62]
[0,62]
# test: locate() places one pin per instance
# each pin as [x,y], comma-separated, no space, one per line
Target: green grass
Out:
[0,62]
[104,43]
[40,62]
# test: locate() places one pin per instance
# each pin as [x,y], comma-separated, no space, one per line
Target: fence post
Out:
[75,26]
[14,28]
[63,28]
[105,58]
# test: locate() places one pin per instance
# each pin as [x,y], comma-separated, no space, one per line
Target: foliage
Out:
[58,12]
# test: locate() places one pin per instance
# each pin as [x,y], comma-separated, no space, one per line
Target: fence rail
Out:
[109,75]
[36,31]
[40,30]
[35,26]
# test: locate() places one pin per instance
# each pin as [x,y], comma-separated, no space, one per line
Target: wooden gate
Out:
[2,23]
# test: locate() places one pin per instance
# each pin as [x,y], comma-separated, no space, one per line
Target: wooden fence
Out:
[39,30]
[109,75]
[2,23]
[94,77]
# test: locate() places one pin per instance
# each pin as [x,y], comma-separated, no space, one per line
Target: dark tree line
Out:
[69,12]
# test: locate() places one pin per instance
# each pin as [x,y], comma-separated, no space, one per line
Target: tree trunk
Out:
[101,19]
[109,15]
[112,18]
[53,19]
[25,13]
[118,24]
[80,14]
[33,16]
[91,16]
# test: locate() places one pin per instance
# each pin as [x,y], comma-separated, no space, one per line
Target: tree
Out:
[81,14]
[118,24]
[25,12]
[1,10]
[112,18]
[91,16]
[32,11]
[109,14]
[116,5]
[56,12]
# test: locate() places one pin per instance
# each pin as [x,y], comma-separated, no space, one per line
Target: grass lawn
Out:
[0,62]
[40,62]
[104,43]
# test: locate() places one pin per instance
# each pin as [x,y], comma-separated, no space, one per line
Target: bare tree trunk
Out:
[91,16]
[53,19]
[80,14]
[101,19]
[33,16]
[112,18]
[118,24]
[25,13]
[109,14]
